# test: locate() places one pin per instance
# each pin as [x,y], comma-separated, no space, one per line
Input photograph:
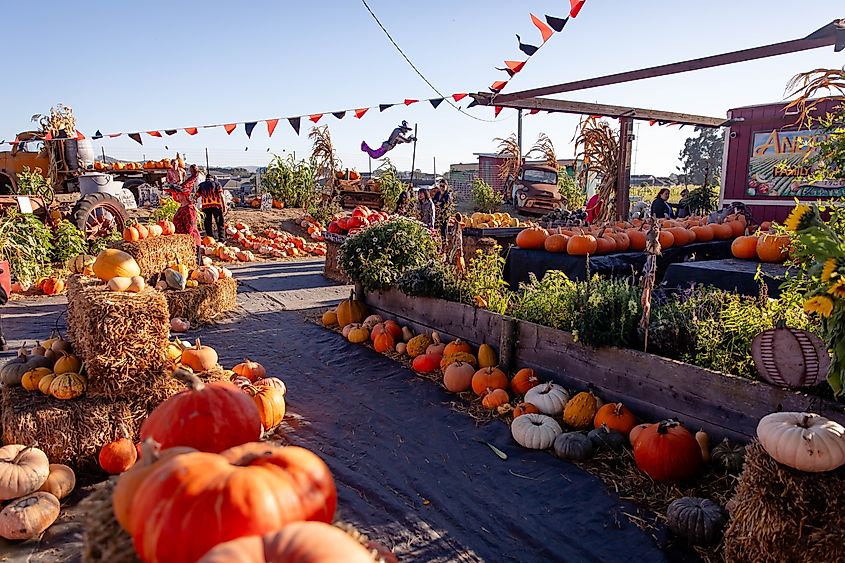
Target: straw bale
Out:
[104,541]
[155,254]
[784,515]
[121,337]
[72,432]
[201,304]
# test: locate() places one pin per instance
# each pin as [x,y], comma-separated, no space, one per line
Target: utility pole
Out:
[519,130]
[414,156]
[207,169]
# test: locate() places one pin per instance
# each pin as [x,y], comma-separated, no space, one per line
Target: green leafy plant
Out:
[484,198]
[99,244]
[391,185]
[379,255]
[325,211]
[434,279]
[570,191]
[290,181]
[703,199]
[483,285]
[68,241]
[26,243]
[166,211]
[34,183]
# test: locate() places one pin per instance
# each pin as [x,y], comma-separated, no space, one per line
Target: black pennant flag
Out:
[294,122]
[382,107]
[339,114]
[136,137]
[248,127]
[170,131]
[509,71]
[472,104]
[97,135]
[525,48]
[436,102]
[556,23]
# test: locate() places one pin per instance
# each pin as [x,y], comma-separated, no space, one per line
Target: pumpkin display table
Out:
[730,274]
[522,262]
[155,254]
[202,303]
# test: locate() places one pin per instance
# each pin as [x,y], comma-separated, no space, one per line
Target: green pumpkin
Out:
[605,439]
[729,457]
[697,520]
[574,446]
[174,279]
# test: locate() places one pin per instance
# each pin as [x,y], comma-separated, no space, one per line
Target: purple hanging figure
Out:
[399,135]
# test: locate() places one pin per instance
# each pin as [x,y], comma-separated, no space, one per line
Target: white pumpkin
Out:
[803,441]
[25,518]
[535,431]
[372,321]
[23,470]
[549,397]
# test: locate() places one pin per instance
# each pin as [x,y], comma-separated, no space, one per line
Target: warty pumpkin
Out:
[488,378]
[524,380]
[247,490]
[666,451]
[117,456]
[27,517]
[209,417]
[60,482]
[418,345]
[458,357]
[23,469]
[535,431]
[457,377]
[112,262]
[550,398]
[580,411]
[66,386]
[351,311]
[803,441]
[270,402]
[329,319]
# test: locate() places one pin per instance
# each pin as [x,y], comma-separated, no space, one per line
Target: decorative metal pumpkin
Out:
[790,357]
[730,457]
[535,431]
[575,446]
[607,439]
[697,520]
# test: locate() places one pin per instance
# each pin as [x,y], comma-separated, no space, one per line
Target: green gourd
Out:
[174,279]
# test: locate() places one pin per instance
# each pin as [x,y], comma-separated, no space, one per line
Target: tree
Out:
[701,158]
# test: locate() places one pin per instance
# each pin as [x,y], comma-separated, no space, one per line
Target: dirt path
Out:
[410,470]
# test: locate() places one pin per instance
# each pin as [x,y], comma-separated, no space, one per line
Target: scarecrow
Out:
[398,136]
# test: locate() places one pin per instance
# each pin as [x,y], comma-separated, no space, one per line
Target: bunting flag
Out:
[113,135]
[339,114]
[525,48]
[97,135]
[294,122]
[382,107]
[230,127]
[271,126]
[154,133]
[498,110]
[557,23]
[545,30]
[79,135]
[534,111]
[409,102]
[170,132]
[248,127]
[498,86]
[359,113]
[512,67]
[436,102]
[316,117]
[136,137]
[575,7]
[459,97]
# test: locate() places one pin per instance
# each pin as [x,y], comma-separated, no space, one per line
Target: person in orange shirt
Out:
[213,206]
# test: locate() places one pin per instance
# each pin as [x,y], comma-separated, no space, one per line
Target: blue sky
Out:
[154,65]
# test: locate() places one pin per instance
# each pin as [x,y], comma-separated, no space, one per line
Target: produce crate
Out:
[332,269]
[155,254]
[202,303]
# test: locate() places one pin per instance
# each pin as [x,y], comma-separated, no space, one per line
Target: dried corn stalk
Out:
[652,248]
[546,150]
[808,85]
[60,119]
[509,149]
[598,149]
[324,159]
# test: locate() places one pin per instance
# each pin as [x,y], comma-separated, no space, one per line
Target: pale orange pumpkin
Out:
[495,398]
[199,357]
[249,369]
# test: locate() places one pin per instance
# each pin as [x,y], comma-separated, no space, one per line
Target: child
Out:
[185,219]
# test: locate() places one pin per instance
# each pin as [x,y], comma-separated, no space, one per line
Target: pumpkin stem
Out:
[20,453]
[805,420]
[150,450]
[618,409]
[186,375]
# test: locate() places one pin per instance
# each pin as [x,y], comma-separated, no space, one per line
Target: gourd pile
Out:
[629,237]
[272,243]
[360,218]
[31,488]
[50,368]
[489,220]
[313,226]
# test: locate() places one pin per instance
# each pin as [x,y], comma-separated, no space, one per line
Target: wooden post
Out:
[507,343]
[414,157]
[623,177]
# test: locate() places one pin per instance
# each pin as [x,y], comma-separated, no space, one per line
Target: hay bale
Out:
[201,304]
[155,254]
[104,541]
[72,432]
[121,337]
[784,515]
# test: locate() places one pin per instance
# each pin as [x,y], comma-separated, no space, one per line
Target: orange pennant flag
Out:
[154,133]
[191,130]
[230,127]
[409,102]
[545,30]
[271,126]
[359,113]
[575,7]
[459,97]
[498,110]
[499,85]
[316,117]
[515,66]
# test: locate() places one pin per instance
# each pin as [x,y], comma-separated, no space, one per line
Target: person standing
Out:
[403,202]
[174,173]
[185,219]
[213,206]
[426,208]
[594,209]
[683,206]
[442,196]
[660,208]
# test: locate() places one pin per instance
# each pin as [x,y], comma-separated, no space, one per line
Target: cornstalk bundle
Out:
[202,303]
[652,248]
[808,85]
[781,514]
[455,246]
[324,159]
[509,149]
[599,152]
[546,150]
[155,254]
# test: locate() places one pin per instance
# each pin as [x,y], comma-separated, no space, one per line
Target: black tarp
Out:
[730,274]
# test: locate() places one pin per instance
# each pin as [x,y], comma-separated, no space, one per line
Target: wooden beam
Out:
[623,174]
[831,34]
[605,110]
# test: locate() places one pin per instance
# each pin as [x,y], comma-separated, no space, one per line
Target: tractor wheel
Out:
[98,214]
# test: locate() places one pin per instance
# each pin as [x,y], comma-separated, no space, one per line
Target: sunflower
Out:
[837,289]
[821,304]
[829,269]
[800,218]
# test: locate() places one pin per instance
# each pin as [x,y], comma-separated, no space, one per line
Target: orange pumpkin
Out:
[556,243]
[737,227]
[765,225]
[495,398]
[773,248]
[605,245]
[532,238]
[666,239]
[130,234]
[582,245]
[118,456]
[616,417]
[722,231]
[270,402]
[623,241]
[249,369]
[457,346]
[52,286]
[524,380]
[488,378]
[703,234]
[636,238]
[384,342]
[525,408]
[744,247]
[679,236]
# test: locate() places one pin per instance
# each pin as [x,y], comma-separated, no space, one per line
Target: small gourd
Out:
[575,446]
[730,457]
[704,444]
[136,285]
[487,356]
[358,334]
[67,386]
[580,411]
[174,279]
[30,379]
[119,283]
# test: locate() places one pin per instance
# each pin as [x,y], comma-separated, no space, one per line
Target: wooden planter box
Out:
[652,386]
[332,268]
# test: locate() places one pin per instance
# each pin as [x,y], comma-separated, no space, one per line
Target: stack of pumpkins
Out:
[624,236]
[764,245]
[51,368]
[33,488]
[200,449]
[139,231]
[118,269]
[178,276]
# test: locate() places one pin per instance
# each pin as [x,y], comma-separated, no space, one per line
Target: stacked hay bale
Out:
[122,340]
[202,303]
[155,254]
[781,514]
